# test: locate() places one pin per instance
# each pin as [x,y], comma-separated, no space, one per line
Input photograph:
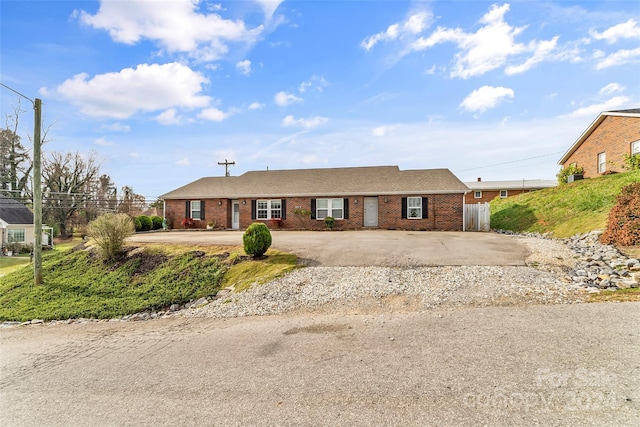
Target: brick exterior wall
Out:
[489,195]
[445,213]
[614,137]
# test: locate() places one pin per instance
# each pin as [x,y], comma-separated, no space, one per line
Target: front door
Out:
[235,214]
[370,211]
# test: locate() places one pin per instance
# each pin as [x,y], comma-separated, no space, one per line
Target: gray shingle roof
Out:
[375,180]
[512,185]
[14,212]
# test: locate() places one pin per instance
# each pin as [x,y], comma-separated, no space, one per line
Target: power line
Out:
[512,161]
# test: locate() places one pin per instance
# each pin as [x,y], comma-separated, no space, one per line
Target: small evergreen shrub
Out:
[330,222]
[137,223]
[156,222]
[256,239]
[109,232]
[623,225]
[145,223]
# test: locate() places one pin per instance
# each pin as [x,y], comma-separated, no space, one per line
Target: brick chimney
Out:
[479,179]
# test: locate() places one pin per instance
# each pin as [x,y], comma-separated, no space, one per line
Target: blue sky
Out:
[162,91]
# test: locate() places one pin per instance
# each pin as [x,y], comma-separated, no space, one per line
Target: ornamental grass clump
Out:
[256,239]
[109,231]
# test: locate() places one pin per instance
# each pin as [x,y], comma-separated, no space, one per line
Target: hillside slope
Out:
[565,210]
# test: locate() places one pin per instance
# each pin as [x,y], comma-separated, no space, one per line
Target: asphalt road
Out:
[541,365]
[383,248]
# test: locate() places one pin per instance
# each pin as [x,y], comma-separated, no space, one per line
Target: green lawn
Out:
[151,277]
[565,210]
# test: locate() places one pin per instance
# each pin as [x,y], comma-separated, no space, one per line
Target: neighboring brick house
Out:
[486,191]
[359,197]
[602,147]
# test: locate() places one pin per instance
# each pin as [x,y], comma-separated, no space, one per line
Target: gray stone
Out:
[174,307]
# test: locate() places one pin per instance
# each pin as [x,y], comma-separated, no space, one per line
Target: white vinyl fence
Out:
[477,217]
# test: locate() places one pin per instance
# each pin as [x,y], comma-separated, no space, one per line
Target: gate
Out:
[477,217]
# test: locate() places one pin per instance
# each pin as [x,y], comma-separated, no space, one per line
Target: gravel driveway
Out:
[381,248]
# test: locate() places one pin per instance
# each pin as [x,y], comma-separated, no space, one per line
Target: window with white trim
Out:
[477,195]
[504,194]
[195,208]
[635,148]
[16,235]
[414,207]
[269,209]
[602,162]
[330,207]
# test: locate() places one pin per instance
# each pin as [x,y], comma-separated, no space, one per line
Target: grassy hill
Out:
[148,277]
[565,210]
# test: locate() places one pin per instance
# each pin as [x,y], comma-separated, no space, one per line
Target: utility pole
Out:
[37,184]
[226,166]
[37,192]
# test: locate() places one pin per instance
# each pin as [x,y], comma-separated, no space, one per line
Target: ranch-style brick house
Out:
[357,198]
[602,147]
[486,191]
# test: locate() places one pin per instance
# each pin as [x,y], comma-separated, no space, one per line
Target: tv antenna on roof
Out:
[226,166]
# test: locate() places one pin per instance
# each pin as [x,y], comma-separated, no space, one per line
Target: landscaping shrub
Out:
[156,222]
[623,225]
[330,222]
[256,239]
[137,224]
[569,170]
[109,232]
[145,223]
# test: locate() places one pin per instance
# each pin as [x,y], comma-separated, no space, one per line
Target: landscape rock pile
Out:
[601,266]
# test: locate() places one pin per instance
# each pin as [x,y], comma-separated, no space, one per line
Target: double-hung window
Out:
[16,235]
[269,209]
[503,194]
[330,207]
[635,148]
[477,195]
[414,207]
[195,209]
[602,162]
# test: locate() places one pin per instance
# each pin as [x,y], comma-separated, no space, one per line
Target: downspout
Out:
[164,214]
[464,211]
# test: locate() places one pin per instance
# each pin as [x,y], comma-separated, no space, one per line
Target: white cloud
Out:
[117,127]
[621,57]
[316,82]
[485,98]
[542,51]
[145,88]
[213,114]
[256,106]
[102,141]
[490,47]
[626,30]
[381,131]
[169,117]
[269,7]
[611,88]
[244,67]
[595,109]
[414,24]
[283,99]
[183,162]
[177,26]
[307,123]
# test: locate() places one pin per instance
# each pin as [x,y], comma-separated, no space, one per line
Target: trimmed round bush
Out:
[256,239]
[157,222]
[137,223]
[145,223]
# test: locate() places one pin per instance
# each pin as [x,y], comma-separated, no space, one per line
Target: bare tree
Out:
[15,160]
[67,181]
[132,203]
